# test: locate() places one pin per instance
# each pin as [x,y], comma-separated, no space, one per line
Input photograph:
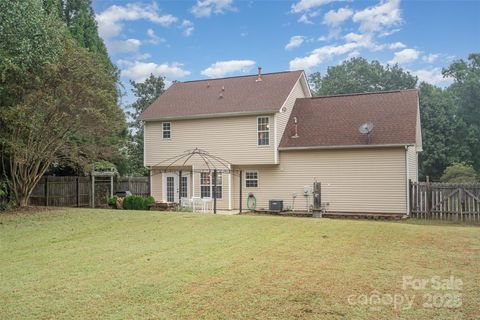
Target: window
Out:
[218,192]
[184,188]
[263,131]
[170,189]
[251,179]
[206,185]
[166,130]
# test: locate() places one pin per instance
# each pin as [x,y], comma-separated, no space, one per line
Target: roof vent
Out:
[259,78]
[220,96]
[223,88]
[208,84]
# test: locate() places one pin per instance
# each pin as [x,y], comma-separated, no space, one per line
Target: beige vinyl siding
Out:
[233,139]
[355,180]
[412,156]
[156,185]
[282,117]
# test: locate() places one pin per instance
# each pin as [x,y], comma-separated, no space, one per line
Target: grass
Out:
[107,264]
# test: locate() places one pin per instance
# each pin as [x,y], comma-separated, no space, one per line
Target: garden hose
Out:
[251,202]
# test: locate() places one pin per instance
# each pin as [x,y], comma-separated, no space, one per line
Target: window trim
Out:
[269,133]
[169,130]
[258,178]
[211,185]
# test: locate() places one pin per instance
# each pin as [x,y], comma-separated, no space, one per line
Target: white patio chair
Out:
[186,203]
[206,203]
[197,204]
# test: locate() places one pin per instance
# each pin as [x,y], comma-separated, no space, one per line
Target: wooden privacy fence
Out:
[445,201]
[77,191]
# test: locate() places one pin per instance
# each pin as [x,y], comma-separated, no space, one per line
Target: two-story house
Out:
[269,127]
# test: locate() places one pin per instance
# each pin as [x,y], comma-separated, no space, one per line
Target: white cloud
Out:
[110,20]
[223,68]
[305,17]
[433,76]
[364,40]
[305,5]
[187,27]
[396,45]
[205,8]
[379,17]
[334,18]
[389,32]
[295,41]
[317,56]
[430,58]
[124,46]
[353,54]
[354,42]
[153,38]
[138,71]
[405,56]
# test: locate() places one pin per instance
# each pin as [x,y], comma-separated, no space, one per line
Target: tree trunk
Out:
[22,201]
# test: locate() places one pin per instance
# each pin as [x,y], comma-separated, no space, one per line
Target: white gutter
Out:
[214,115]
[355,146]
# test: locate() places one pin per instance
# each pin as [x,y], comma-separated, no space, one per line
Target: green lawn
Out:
[107,264]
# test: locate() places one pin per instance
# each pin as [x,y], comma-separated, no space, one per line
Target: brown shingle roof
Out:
[240,95]
[334,120]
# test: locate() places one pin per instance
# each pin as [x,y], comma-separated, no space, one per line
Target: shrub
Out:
[5,201]
[149,200]
[137,202]
[459,173]
[112,201]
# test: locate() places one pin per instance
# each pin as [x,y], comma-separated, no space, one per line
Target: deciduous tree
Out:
[57,100]
[359,75]
[146,93]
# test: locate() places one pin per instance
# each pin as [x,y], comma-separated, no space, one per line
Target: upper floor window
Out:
[166,130]
[263,131]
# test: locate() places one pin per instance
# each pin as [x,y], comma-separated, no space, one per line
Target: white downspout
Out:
[407,175]
[275,144]
[230,188]
[193,180]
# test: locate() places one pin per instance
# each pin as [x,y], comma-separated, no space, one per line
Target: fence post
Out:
[111,186]
[460,202]
[428,198]
[78,192]
[46,191]
[93,191]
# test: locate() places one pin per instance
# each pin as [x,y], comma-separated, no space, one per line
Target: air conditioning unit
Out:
[275,205]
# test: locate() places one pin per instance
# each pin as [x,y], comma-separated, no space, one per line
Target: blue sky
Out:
[186,40]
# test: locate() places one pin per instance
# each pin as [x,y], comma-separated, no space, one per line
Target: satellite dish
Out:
[366,128]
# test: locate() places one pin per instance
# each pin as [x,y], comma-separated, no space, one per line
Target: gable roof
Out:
[243,94]
[333,121]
